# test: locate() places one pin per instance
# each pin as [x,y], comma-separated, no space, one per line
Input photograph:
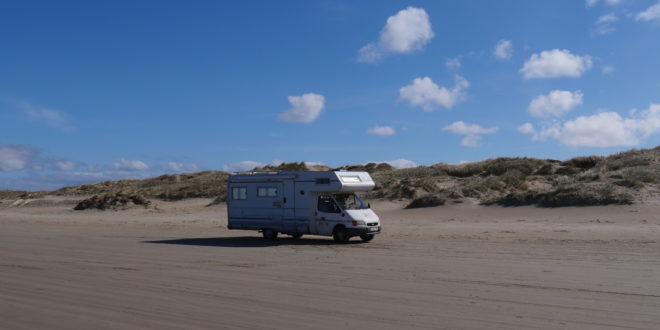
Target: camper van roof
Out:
[321,180]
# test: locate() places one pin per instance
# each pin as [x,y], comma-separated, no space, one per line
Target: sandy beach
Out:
[461,266]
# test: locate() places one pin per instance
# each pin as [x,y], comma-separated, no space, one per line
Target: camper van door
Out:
[327,215]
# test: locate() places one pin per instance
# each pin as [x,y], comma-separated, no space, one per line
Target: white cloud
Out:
[471,141]
[605,129]
[13,157]
[401,163]
[64,165]
[304,109]
[424,93]
[50,117]
[130,165]
[591,3]
[556,103]
[453,63]
[503,49]
[608,69]
[406,32]
[462,128]
[650,14]
[180,167]
[382,130]
[555,63]
[245,165]
[611,17]
[526,128]
[604,24]
[472,132]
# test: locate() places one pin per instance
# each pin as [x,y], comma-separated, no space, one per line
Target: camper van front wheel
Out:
[269,233]
[340,235]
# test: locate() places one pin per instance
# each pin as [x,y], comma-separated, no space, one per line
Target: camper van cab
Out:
[299,203]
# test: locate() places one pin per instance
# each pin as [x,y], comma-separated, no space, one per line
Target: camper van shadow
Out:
[249,241]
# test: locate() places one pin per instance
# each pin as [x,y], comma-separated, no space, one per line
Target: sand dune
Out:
[464,266]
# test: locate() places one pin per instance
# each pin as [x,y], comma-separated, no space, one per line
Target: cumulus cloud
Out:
[472,132]
[526,128]
[48,116]
[181,167]
[471,141]
[406,32]
[503,49]
[555,63]
[130,165]
[304,109]
[604,24]
[245,165]
[453,63]
[591,3]
[650,14]
[424,93]
[64,165]
[605,129]
[608,69]
[14,157]
[382,130]
[555,104]
[462,128]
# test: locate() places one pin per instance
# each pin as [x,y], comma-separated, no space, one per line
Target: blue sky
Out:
[91,91]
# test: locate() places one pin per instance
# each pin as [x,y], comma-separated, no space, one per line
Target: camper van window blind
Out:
[239,193]
[267,192]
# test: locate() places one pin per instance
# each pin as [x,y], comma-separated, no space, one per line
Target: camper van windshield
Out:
[350,201]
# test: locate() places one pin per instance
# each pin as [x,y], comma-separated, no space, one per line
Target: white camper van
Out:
[298,203]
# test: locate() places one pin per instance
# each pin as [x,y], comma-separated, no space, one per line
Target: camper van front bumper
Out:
[358,231]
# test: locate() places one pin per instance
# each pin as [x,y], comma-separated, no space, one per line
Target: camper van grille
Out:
[371,224]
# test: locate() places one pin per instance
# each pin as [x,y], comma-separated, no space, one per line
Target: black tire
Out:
[367,238]
[340,235]
[269,233]
[296,235]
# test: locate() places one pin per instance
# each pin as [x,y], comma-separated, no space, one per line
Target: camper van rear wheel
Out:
[269,233]
[340,235]
[367,238]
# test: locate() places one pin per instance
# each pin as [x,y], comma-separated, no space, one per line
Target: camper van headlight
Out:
[358,223]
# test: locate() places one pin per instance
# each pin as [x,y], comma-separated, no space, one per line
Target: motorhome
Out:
[300,203]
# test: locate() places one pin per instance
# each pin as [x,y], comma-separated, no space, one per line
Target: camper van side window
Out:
[267,192]
[323,181]
[327,205]
[239,193]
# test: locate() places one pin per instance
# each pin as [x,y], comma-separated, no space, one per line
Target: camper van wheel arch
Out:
[269,233]
[340,234]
